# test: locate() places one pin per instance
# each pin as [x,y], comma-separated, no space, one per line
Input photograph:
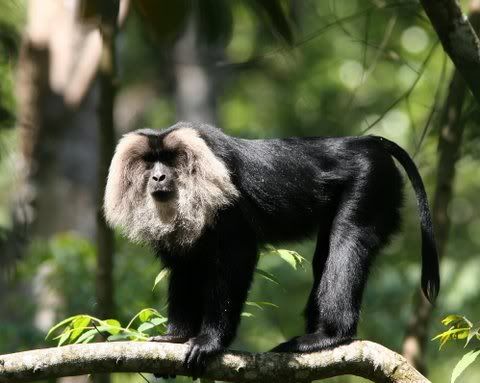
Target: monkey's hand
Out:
[201,348]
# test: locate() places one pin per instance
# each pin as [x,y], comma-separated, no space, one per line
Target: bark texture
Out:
[362,358]
[458,38]
[450,132]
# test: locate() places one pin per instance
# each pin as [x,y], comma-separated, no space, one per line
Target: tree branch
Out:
[362,358]
[458,38]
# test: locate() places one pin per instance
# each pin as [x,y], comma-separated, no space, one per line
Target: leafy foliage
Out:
[85,328]
[291,257]
[460,328]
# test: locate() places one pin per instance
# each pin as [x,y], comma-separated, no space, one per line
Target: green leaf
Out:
[161,275]
[63,338]
[268,276]
[474,331]
[452,333]
[259,305]
[463,363]
[247,314]
[79,325]
[151,324]
[60,324]
[113,326]
[87,339]
[254,304]
[145,315]
[145,326]
[450,319]
[122,336]
[87,336]
[291,257]
[457,321]
[159,321]
[268,304]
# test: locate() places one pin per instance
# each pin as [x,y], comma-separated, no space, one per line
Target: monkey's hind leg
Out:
[333,308]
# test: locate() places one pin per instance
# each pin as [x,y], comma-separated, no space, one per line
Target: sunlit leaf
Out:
[158,321]
[79,324]
[161,275]
[463,363]
[452,333]
[145,327]
[474,331]
[268,276]
[291,257]
[267,304]
[122,336]
[456,320]
[60,324]
[145,315]
[63,338]
[113,326]
[87,336]
[87,339]
[254,304]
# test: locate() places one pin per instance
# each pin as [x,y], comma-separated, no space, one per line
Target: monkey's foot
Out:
[201,348]
[169,338]
[310,343]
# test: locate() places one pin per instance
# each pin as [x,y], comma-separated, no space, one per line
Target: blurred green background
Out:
[355,67]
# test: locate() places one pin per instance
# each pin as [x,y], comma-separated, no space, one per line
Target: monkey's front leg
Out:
[184,305]
[226,286]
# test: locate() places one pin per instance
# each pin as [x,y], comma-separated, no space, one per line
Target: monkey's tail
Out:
[430,267]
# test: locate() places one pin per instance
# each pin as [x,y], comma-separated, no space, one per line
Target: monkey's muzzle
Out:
[162,195]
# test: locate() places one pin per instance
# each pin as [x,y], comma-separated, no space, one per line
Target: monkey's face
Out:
[161,174]
[166,186]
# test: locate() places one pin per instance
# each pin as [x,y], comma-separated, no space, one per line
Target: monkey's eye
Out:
[150,157]
[167,157]
[164,157]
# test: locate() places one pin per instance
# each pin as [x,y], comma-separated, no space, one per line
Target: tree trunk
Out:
[449,145]
[195,78]
[59,136]
[105,241]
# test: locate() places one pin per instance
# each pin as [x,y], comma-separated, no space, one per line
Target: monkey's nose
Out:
[159,178]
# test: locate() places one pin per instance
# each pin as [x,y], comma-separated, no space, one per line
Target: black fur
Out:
[347,191]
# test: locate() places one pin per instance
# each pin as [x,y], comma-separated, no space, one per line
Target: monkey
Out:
[206,202]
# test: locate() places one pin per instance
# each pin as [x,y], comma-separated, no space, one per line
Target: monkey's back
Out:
[293,186]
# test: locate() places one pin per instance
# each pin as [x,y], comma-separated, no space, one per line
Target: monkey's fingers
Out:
[192,361]
[168,338]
